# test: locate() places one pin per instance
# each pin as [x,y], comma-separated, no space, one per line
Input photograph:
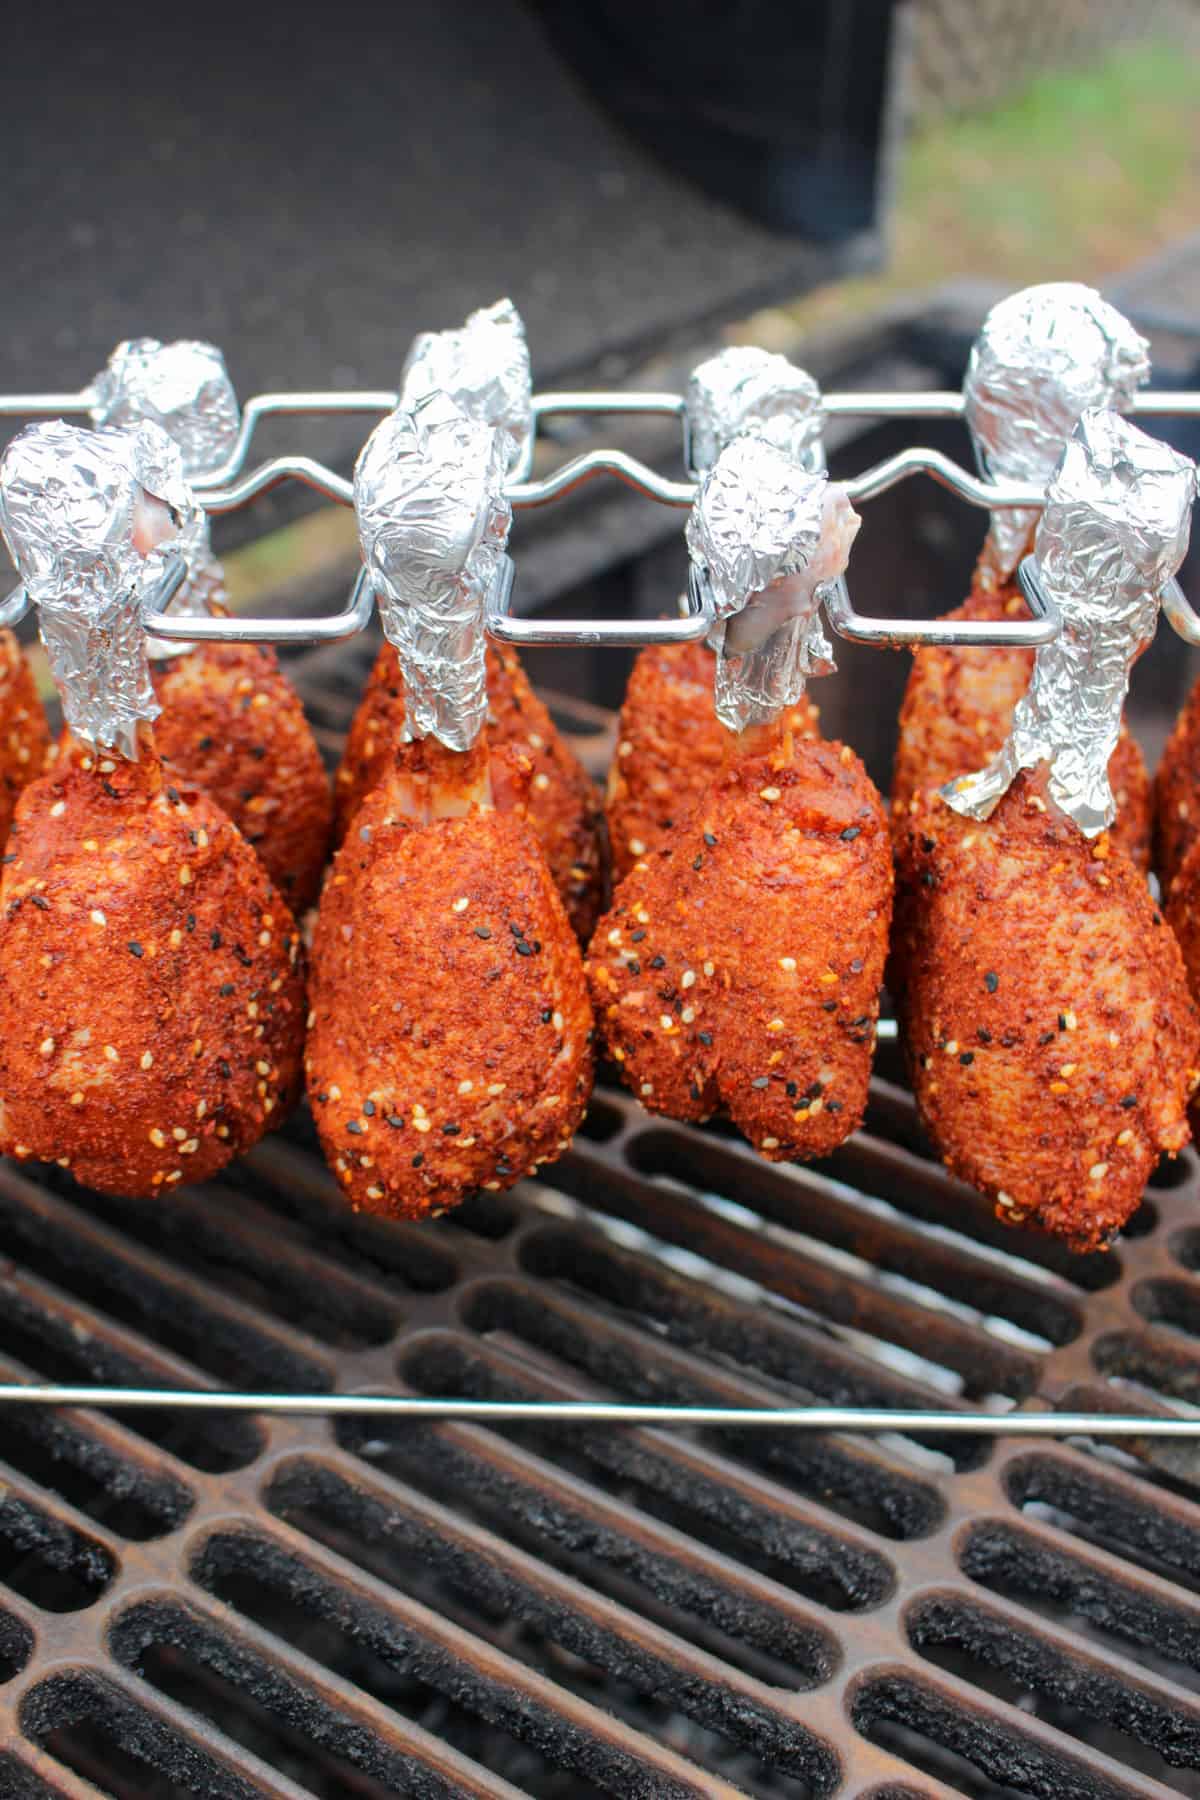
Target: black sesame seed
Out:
[634,966]
[814,1090]
[547,1016]
[418,1159]
[214,940]
[928,879]
[258,751]
[356,1127]
[245,960]
[1047,1037]
[760,1081]
[39,900]
[658,962]
[524,949]
[705,1038]
[451,1130]
[11,857]
[991,981]
[1062,1021]
[791,1090]
[829,1006]
[967,1058]
[205,744]
[1157,919]
[856,966]
[710,840]
[483,931]
[984,1035]
[172,795]
[1127,1100]
[518,931]
[395,1121]
[698,861]
[693,1090]
[134,949]
[833,1106]
[323,1099]
[190,921]
[928,845]
[851,832]
[637,936]
[223,1068]
[110,790]
[225,989]
[193,837]
[369,1108]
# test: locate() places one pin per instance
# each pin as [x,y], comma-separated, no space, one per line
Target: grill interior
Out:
[231,1607]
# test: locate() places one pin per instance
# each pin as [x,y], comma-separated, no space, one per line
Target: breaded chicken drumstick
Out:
[670,743]
[1050,1036]
[738,968]
[1041,358]
[231,721]
[450,1045]
[151,986]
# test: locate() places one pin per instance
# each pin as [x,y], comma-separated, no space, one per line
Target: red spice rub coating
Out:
[670,747]
[232,724]
[957,710]
[151,981]
[451,1037]
[739,967]
[1050,1038]
[1177,792]
[562,805]
[24,732]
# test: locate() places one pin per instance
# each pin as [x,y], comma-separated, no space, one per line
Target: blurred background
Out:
[850,183]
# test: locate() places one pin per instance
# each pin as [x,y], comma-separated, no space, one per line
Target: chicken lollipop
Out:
[1049,1033]
[450,1044]
[670,743]
[1042,357]
[24,732]
[738,969]
[485,370]
[231,722]
[151,993]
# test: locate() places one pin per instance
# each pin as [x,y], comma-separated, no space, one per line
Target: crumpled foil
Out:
[747,389]
[184,387]
[90,518]
[1113,533]
[484,367]
[767,539]
[433,523]
[1043,356]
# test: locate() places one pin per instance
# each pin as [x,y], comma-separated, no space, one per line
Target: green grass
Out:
[1078,175]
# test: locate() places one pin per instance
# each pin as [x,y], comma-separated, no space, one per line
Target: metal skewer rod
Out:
[911,1422]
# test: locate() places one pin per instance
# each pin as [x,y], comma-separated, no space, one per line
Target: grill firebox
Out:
[232,1607]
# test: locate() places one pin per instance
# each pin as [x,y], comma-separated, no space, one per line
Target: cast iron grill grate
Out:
[232,1607]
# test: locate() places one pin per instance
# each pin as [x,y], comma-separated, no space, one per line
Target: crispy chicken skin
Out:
[670,747]
[451,1038]
[1177,792]
[1050,1038]
[233,725]
[738,969]
[24,732]
[151,982]
[562,804]
[957,710]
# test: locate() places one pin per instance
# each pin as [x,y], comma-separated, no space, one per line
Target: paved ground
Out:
[309,190]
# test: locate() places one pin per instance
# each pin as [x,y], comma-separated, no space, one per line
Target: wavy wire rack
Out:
[225,489]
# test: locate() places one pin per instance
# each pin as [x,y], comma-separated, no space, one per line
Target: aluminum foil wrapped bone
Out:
[767,540]
[433,523]
[483,366]
[90,519]
[1113,533]
[747,389]
[1042,358]
[184,387]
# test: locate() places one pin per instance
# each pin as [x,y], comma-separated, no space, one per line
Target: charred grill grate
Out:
[232,1607]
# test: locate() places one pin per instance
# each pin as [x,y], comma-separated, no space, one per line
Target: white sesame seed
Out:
[647,1087]
[708,968]
[311,1020]
[951,1047]
[614,936]
[1097,1172]
[58,809]
[688,1014]
[774,1024]
[689,978]
[496,1087]
[201,1108]
[111,1053]
[636,846]
[666,1021]
[374,1193]
[461,904]
[788,963]
[107,766]
[556,1019]
[157,1138]
[541,783]
[176,938]
[264,938]
[625,748]
[1070,1021]
[77,1098]
[769,794]
[262,1068]
[464,1087]
[185,875]
[46,1046]
[147,1059]
[770,1143]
